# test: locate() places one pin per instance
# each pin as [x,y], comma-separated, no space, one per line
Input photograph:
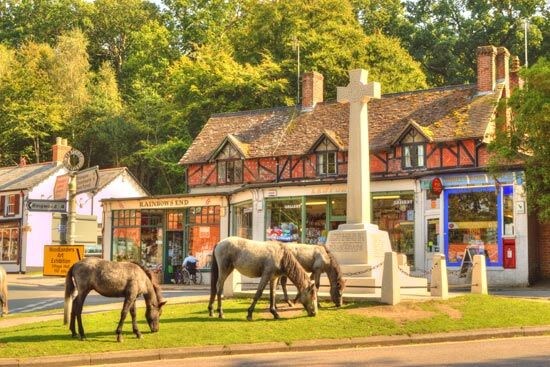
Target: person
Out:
[190,263]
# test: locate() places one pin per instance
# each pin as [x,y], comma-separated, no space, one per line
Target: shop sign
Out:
[437,186]
[163,203]
[59,259]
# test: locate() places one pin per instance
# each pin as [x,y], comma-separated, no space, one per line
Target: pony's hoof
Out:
[138,335]
[249,318]
[119,338]
[220,316]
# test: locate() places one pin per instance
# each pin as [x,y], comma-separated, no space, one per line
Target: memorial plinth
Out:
[359,246]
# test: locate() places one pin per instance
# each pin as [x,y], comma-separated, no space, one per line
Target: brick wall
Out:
[312,89]
[544,249]
[486,73]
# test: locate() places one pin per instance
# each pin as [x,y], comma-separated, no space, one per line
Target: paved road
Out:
[31,297]
[520,351]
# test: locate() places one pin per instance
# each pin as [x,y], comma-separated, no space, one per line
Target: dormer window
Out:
[414,147]
[230,165]
[327,154]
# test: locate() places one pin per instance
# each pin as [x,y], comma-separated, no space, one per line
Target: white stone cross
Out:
[358,93]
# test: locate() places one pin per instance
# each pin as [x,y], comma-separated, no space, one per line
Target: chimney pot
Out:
[503,69]
[486,73]
[312,89]
[59,149]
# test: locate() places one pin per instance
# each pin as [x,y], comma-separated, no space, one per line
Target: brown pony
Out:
[266,260]
[112,279]
[3,292]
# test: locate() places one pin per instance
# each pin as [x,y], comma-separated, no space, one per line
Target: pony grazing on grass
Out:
[317,259]
[266,260]
[112,279]
[3,292]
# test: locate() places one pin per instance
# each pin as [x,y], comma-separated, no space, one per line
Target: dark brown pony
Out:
[264,260]
[3,292]
[112,279]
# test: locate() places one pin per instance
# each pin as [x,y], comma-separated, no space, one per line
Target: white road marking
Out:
[37,306]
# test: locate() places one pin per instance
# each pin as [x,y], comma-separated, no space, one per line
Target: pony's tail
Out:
[214,274]
[69,289]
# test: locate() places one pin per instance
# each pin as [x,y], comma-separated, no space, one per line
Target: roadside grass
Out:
[185,325]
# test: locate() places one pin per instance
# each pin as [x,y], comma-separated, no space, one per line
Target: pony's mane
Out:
[153,279]
[334,265]
[292,268]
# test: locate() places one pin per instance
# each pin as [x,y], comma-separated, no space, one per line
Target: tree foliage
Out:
[131,83]
[526,138]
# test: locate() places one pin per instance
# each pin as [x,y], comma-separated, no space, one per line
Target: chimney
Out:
[22,161]
[515,80]
[312,89]
[486,69]
[503,69]
[59,149]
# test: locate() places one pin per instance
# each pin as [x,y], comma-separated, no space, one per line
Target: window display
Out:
[203,233]
[9,241]
[316,219]
[394,213]
[472,223]
[283,220]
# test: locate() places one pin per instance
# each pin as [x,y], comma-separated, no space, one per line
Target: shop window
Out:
[316,219]
[242,220]
[9,242]
[413,145]
[327,154]
[138,236]
[229,165]
[472,224]
[394,213]
[203,233]
[508,210]
[283,220]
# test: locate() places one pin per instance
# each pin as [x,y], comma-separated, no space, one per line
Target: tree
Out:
[111,23]
[39,21]
[212,81]
[527,137]
[31,110]
[331,42]
[444,34]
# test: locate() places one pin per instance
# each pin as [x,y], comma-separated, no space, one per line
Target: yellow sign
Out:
[58,259]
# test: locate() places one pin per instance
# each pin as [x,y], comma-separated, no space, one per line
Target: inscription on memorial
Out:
[342,241]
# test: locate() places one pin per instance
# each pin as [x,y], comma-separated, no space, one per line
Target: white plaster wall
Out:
[123,186]
[40,224]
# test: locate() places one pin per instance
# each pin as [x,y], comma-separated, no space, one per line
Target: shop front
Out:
[305,219]
[159,232]
[480,215]
[9,244]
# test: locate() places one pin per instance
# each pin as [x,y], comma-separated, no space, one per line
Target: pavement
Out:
[539,291]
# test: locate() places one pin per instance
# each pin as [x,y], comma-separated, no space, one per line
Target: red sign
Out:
[437,186]
[61,187]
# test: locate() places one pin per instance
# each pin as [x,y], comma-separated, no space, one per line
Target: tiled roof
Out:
[444,114]
[26,177]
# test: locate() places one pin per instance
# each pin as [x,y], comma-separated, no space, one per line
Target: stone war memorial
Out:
[360,246]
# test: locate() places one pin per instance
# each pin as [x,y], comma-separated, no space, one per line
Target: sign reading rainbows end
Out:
[59,258]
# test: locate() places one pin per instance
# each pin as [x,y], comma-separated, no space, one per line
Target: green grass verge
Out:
[186,325]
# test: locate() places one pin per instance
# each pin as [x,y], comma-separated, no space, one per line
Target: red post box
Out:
[509,249]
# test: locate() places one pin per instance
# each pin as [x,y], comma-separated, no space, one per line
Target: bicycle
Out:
[184,276]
